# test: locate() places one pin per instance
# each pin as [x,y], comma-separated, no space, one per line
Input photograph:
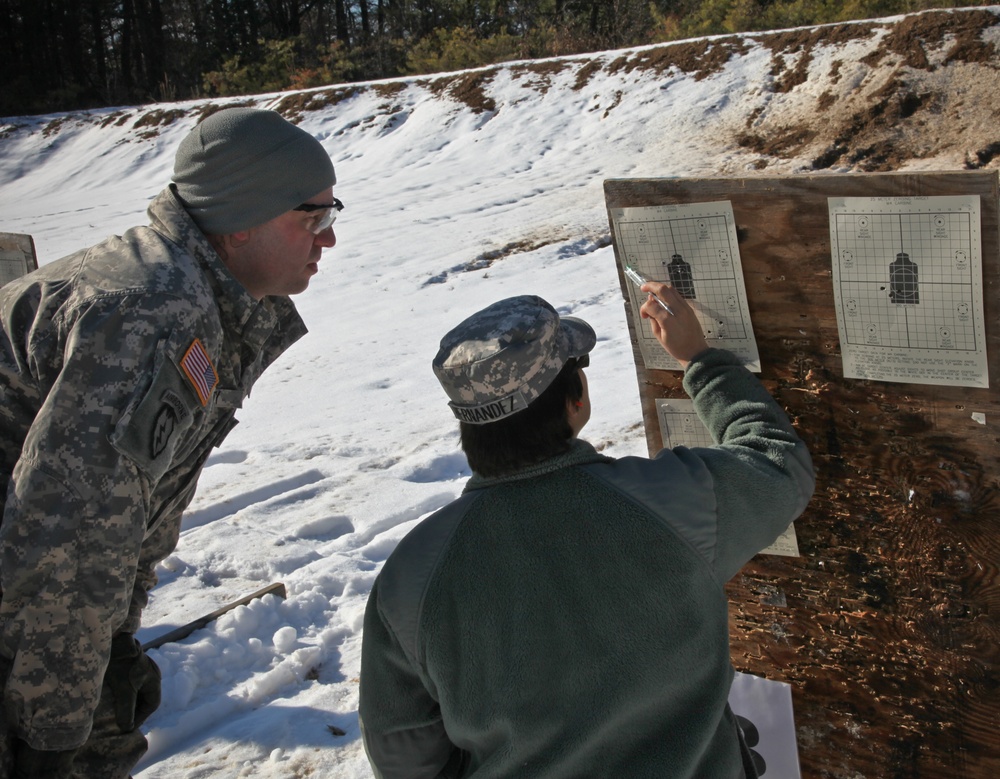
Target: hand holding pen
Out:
[672,320]
[638,279]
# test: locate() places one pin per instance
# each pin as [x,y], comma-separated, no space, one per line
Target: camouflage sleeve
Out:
[160,543]
[173,493]
[162,540]
[75,518]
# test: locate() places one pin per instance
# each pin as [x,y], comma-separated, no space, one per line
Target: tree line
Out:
[62,55]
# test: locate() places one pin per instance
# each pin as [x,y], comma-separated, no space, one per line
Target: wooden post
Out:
[887,624]
[17,256]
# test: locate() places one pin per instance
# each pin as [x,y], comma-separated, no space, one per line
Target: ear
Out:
[241,238]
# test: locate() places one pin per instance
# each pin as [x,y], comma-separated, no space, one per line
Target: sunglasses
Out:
[325,220]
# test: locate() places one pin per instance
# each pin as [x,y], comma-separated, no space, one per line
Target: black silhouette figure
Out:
[680,276]
[751,737]
[903,280]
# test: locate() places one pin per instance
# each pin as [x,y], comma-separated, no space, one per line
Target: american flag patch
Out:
[200,371]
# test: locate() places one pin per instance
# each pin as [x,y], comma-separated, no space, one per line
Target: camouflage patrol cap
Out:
[502,358]
[242,167]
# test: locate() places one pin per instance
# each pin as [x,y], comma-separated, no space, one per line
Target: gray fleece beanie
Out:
[242,167]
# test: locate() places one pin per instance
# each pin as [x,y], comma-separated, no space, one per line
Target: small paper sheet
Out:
[908,288]
[680,426]
[764,709]
[694,247]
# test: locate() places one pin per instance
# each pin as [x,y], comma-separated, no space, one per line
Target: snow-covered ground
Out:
[460,191]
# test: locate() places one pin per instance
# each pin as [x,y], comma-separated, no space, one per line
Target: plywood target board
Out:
[885,620]
[17,256]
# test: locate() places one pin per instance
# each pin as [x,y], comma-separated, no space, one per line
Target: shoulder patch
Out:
[200,372]
[157,421]
[167,421]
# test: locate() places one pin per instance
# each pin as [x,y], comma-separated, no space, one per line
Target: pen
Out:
[638,279]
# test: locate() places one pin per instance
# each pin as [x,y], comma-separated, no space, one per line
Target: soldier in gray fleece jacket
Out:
[565,617]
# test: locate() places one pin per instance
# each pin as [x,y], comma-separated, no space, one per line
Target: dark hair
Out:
[539,432]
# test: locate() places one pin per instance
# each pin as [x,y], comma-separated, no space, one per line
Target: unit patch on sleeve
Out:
[165,423]
[200,372]
[156,421]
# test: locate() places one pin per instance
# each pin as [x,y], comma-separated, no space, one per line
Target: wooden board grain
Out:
[887,624]
[17,256]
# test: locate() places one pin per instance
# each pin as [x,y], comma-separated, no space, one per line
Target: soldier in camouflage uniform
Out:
[565,617]
[121,367]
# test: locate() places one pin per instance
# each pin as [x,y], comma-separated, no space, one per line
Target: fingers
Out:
[651,308]
[678,330]
[664,291]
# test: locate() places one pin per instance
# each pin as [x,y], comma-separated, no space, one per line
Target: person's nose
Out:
[326,238]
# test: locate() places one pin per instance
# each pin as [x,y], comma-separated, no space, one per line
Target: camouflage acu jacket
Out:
[121,366]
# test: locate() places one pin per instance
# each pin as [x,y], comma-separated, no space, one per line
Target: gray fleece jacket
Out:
[570,620]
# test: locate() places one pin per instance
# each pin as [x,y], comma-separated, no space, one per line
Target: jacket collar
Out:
[580,453]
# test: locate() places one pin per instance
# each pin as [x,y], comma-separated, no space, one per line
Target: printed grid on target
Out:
[906,280]
[680,426]
[695,255]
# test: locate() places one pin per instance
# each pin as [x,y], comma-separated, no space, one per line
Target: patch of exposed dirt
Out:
[913,36]
[826,100]
[802,43]
[785,142]
[471,90]
[983,157]
[55,125]
[585,73]
[911,39]
[924,89]
[485,260]
[117,118]
[389,90]
[870,139]
[542,73]
[468,88]
[701,58]
[807,39]
[159,118]
[615,102]
[210,108]
[835,67]
[293,105]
